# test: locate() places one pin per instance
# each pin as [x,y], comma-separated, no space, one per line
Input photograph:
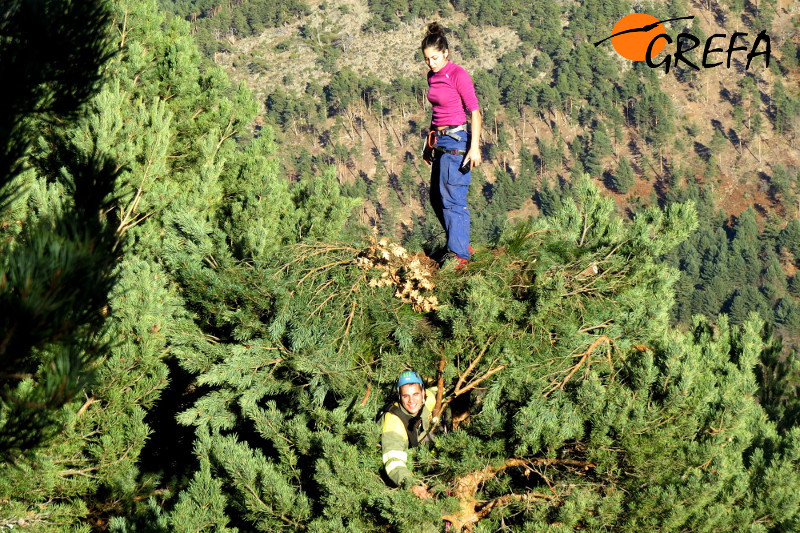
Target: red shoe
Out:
[470,249]
[460,263]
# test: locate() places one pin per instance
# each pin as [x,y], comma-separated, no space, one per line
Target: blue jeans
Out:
[449,185]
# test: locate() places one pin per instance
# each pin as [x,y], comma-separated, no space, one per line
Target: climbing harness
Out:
[412,423]
[450,132]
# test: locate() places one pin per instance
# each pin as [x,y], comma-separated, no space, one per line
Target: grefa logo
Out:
[641,37]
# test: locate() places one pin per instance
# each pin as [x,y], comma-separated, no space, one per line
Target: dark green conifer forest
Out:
[208,289]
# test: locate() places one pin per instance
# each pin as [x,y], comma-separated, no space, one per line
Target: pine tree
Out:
[789,56]
[56,267]
[778,378]
[592,160]
[170,129]
[290,323]
[774,278]
[789,238]
[747,300]
[569,336]
[787,314]
[623,179]
[780,185]
[549,197]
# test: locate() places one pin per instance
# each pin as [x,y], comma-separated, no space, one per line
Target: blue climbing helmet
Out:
[407,377]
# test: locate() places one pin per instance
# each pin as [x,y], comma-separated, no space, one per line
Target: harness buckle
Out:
[432,140]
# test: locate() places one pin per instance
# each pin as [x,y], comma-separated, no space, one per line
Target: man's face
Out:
[411,397]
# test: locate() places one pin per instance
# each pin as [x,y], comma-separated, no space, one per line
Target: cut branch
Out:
[466,487]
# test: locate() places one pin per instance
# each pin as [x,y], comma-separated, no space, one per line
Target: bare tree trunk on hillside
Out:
[380,133]
[355,122]
[759,148]
[371,138]
[350,116]
[400,142]
[360,121]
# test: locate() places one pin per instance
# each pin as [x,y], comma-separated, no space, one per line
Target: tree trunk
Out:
[759,148]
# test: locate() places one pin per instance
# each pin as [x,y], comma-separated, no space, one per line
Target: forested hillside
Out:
[208,291]
[343,82]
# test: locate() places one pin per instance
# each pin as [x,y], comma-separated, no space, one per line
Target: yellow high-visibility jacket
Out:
[395,438]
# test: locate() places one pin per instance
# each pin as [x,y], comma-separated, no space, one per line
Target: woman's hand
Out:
[474,156]
[427,155]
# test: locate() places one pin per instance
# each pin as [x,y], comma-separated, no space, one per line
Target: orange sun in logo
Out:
[633,45]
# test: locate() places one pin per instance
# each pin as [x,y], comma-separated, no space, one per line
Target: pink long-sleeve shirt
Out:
[450,91]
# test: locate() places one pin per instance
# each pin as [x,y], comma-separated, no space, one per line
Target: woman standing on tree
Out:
[451,150]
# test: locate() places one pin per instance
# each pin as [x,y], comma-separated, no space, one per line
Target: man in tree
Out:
[405,425]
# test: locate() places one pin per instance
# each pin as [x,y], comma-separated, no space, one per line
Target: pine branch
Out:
[366,395]
[508,499]
[585,357]
[472,366]
[320,306]
[282,517]
[349,323]
[324,267]
[586,228]
[85,406]
[474,383]
[602,325]
[316,249]
[437,408]
[86,472]
[461,387]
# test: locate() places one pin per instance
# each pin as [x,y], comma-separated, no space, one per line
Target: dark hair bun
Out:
[434,28]
[435,37]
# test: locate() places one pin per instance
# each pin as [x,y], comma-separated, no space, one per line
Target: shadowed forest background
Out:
[213,226]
